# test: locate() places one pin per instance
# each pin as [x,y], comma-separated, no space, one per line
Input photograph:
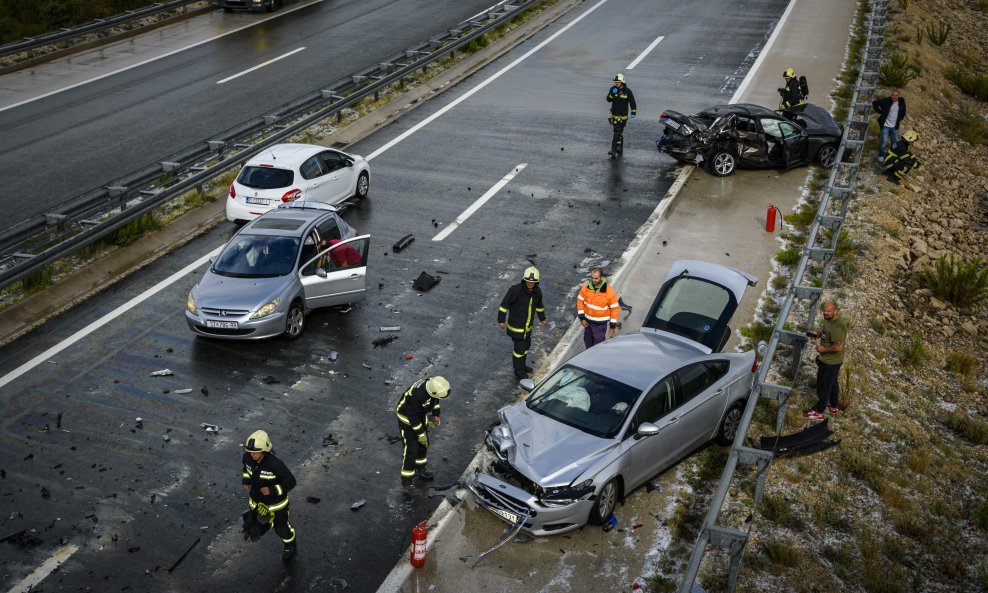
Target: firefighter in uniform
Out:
[900,160]
[268,481]
[597,307]
[516,314]
[792,95]
[416,404]
[623,106]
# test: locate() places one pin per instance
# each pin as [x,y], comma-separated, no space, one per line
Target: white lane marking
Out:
[47,567]
[249,70]
[82,333]
[761,55]
[480,202]
[165,55]
[642,55]
[483,84]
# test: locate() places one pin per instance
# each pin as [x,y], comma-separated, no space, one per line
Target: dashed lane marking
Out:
[47,567]
[259,66]
[480,202]
[642,55]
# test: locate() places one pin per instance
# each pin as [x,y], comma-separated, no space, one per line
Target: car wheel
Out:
[827,156]
[722,162]
[295,321]
[275,5]
[729,425]
[363,185]
[604,503]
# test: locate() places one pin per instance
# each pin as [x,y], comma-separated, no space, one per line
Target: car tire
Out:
[827,156]
[295,321]
[730,423]
[604,503]
[363,185]
[722,161]
[275,5]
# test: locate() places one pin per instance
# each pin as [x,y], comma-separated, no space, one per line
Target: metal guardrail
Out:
[30,245]
[801,302]
[94,26]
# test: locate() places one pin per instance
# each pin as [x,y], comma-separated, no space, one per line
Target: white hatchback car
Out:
[289,172]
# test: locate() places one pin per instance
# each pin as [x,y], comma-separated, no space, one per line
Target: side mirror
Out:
[527,384]
[211,260]
[348,162]
[321,272]
[646,429]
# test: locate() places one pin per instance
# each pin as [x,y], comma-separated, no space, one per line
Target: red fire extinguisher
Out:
[419,536]
[770,218]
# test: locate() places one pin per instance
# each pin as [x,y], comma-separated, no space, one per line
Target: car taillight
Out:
[291,195]
[754,365]
[233,192]
[664,115]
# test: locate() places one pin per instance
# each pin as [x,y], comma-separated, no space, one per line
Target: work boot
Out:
[408,482]
[290,550]
[424,474]
[520,374]
[528,369]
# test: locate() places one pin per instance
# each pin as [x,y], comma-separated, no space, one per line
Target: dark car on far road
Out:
[743,135]
[251,5]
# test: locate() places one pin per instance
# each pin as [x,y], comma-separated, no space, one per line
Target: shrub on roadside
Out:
[968,81]
[898,71]
[962,283]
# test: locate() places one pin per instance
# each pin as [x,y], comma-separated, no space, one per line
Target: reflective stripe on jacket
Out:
[414,405]
[519,308]
[621,102]
[598,304]
[271,472]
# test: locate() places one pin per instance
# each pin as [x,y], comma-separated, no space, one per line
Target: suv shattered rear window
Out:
[265,177]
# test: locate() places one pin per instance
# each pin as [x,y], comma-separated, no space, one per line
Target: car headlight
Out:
[566,495]
[190,304]
[268,309]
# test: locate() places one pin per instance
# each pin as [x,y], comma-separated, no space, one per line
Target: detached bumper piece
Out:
[810,440]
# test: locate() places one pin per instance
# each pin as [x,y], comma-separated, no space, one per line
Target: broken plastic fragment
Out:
[210,427]
[312,500]
[403,242]
[358,504]
[366,366]
[182,391]
[333,355]
[139,421]
[390,328]
[162,373]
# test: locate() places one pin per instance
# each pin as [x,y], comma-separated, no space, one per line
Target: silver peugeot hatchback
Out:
[614,416]
[276,269]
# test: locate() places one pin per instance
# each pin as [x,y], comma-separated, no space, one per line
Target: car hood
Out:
[225,292]
[549,452]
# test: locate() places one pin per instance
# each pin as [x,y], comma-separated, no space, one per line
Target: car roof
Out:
[743,108]
[287,222]
[636,359]
[285,154]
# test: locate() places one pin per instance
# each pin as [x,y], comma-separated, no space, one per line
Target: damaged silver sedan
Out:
[614,416]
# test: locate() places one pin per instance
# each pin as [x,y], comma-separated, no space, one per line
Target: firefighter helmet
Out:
[258,442]
[619,78]
[437,387]
[531,274]
[911,136]
[789,73]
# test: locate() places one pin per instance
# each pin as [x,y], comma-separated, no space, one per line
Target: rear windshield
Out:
[265,177]
[593,403]
[694,308]
[253,256]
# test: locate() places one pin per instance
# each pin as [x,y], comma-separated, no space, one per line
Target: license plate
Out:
[223,324]
[671,123]
[510,517]
[259,201]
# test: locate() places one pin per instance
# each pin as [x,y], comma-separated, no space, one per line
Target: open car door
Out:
[795,144]
[696,302]
[337,276]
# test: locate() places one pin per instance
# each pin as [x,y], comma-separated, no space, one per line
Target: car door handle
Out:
[335,177]
[719,391]
[674,420]
[352,276]
[314,185]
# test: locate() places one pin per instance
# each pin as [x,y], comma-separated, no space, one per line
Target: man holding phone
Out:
[830,356]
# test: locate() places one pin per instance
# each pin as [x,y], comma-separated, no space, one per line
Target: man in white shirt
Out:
[891,111]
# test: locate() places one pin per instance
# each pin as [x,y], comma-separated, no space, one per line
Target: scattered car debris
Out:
[358,504]
[162,373]
[184,554]
[333,355]
[409,356]
[390,328]
[637,525]
[204,391]
[425,282]
[45,493]
[330,440]
[435,224]
[312,500]
[211,428]
[366,366]
[165,438]
[511,533]
[182,391]
[403,242]
[23,539]
[653,486]
[384,341]
[58,421]
[339,584]
[612,522]
[139,422]
[134,549]
[808,440]
[269,380]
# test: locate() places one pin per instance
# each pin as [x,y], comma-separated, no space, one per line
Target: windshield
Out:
[265,177]
[585,400]
[253,256]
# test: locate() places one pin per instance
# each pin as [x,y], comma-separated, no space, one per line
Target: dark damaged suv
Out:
[742,135]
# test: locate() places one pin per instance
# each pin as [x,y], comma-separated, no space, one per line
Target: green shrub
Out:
[938,34]
[897,71]
[920,34]
[39,280]
[970,127]
[962,364]
[133,230]
[913,352]
[789,256]
[961,283]
[879,576]
[971,83]
[967,426]
[781,552]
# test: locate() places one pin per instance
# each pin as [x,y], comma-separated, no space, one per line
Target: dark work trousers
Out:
[414,453]
[827,388]
[521,341]
[617,140]
[595,333]
[282,527]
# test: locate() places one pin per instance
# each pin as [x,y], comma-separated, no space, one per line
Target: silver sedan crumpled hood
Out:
[226,292]
[549,452]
